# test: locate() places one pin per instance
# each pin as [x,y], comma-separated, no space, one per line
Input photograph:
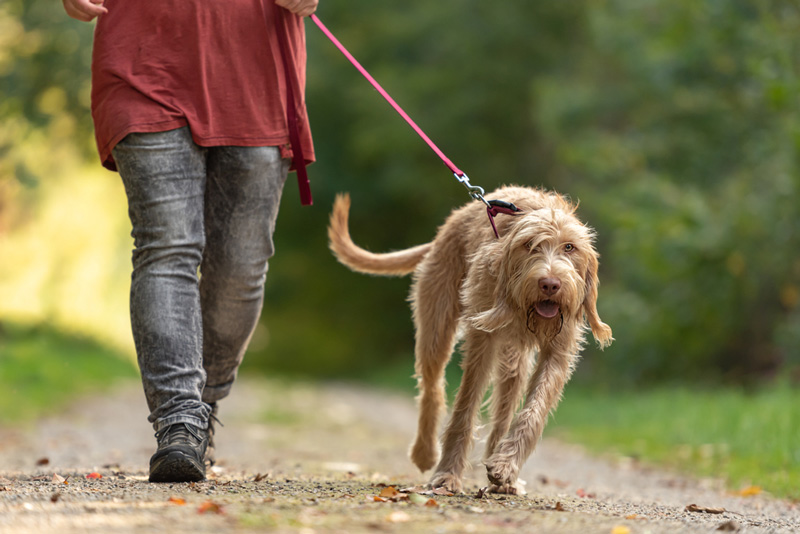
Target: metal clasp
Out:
[475,191]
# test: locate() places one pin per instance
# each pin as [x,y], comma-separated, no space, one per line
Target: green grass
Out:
[42,369]
[745,438]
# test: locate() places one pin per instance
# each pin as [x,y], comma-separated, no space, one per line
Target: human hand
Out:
[302,8]
[84,10]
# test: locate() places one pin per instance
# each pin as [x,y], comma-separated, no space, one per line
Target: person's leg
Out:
[164,176]
[243,194]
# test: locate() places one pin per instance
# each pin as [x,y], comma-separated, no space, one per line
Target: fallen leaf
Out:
[704,509]
[176,500]
[416,489]
[749,491]
[729,526]
[378,499]
[58,479]
[431,503]
[43,461]
[388,492]
[443,491]
[482,492]
[416,498]
[259,477]
[54,497]
[398,517]
[94,476]
[620,529]
[210,507]
[559,507]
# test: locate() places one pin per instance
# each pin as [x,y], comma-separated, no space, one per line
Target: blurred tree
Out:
[674,123]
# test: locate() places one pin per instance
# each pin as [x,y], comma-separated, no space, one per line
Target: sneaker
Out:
[179,458]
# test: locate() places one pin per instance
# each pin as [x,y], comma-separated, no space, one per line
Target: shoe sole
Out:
[176,467]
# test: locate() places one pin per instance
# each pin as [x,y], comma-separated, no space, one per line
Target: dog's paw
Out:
[518,488]
[424,454]
[501,472]
[448,481]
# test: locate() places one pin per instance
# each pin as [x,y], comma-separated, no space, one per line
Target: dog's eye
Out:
[569,247]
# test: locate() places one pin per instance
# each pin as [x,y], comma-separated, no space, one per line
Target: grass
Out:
[42,369]
[745,438]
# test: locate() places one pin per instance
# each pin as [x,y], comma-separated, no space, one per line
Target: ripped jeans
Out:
[203,220]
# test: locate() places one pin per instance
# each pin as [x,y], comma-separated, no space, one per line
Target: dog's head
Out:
[549,271]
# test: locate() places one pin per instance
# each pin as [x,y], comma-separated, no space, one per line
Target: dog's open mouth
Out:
[547,308]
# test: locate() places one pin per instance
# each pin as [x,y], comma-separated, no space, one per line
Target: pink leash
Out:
[493,207]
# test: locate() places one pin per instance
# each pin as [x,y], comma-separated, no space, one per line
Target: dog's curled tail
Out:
[356,258]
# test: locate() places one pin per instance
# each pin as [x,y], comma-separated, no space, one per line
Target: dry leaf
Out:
[259,477]
[398,517]
[704,509]
[443,491]
[210,507]
[620,529]
[559,507]
[94,476]
[176,500]
[482,492]
[749,491]
[431,503]
[729,526]
[43,461]
[58,479]
[388,492]
[378,499]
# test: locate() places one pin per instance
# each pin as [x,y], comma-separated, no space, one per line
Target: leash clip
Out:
[475,191]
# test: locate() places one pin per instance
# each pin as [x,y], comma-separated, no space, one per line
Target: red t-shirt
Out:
[212,65]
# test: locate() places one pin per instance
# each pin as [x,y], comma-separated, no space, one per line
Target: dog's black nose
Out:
[549,286]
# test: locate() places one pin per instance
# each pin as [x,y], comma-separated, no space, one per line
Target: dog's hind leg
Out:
[436,306]
[511,373]
[478,353]
[553,369]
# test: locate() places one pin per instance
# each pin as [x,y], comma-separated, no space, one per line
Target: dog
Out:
[520,301]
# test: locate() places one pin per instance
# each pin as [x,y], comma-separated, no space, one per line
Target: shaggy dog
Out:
[526,297]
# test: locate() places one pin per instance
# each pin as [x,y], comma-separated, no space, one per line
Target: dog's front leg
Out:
[544,391]
[478,351]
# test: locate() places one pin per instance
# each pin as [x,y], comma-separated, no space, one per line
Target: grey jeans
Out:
[203,220]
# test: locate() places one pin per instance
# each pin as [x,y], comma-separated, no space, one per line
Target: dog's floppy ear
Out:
[600,330]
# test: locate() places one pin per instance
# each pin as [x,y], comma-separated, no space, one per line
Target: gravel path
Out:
[318,458]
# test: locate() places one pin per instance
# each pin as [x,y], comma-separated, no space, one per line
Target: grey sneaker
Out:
[179,458]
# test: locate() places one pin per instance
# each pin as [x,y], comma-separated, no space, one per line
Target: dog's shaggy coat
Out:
[529,295]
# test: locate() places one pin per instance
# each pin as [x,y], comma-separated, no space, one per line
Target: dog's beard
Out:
[548,327]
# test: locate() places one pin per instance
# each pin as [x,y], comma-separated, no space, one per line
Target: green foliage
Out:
[674,123]
[41,369]
[709,433]
[671,122]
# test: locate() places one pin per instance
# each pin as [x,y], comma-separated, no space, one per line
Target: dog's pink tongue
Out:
[547,309]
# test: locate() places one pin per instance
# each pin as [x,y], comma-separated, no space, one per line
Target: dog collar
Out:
[493,207]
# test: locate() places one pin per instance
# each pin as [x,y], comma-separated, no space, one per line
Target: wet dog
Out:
[521,303]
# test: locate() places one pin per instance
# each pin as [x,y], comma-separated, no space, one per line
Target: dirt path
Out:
[312,459]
